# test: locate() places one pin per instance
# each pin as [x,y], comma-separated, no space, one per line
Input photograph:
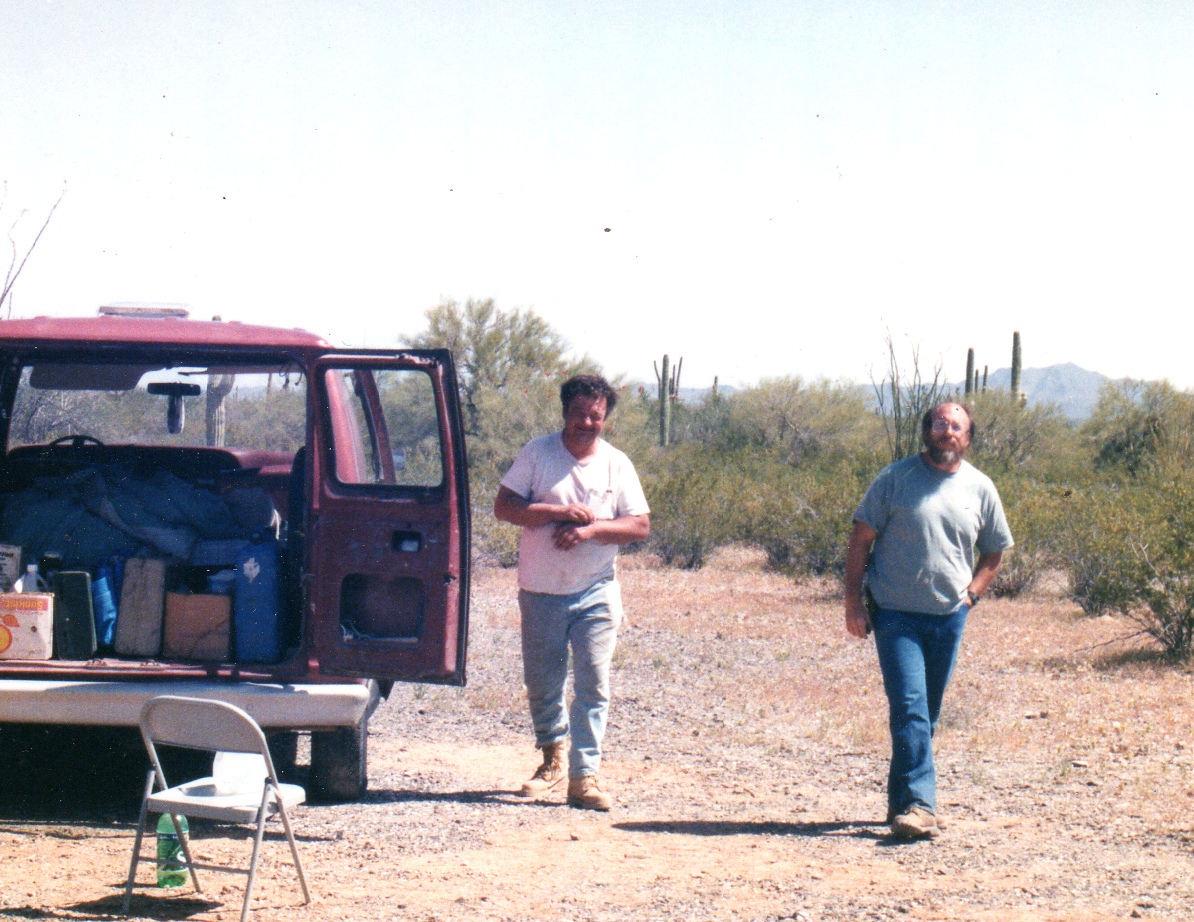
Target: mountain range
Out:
[1071,388]
[1075,390]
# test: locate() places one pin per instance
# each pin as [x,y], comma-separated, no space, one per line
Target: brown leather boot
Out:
[548,775]
[585,793]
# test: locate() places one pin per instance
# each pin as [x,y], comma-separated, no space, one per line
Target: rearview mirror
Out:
[174,391]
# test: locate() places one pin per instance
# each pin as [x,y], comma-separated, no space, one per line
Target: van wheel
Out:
[338,763]
[283,749]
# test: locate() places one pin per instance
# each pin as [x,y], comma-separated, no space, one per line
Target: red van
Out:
[142,435]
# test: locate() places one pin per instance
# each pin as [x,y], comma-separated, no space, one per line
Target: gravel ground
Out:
[747,755]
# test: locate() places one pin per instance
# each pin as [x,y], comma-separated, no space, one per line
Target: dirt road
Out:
[747,754]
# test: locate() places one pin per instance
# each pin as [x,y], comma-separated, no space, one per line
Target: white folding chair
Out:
[215,726]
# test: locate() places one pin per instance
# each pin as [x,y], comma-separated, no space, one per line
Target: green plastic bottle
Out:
[172,862]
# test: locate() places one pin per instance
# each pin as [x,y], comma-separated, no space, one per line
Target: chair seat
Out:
[198,798]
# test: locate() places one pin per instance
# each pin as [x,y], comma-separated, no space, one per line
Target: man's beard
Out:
[945,455]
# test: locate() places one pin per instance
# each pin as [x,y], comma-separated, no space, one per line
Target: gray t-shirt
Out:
[929,524]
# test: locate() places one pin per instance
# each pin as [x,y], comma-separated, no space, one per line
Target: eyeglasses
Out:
[942,425]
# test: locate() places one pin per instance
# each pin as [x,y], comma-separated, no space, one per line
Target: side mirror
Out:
[174,391]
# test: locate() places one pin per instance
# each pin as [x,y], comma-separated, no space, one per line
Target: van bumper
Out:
[118,704]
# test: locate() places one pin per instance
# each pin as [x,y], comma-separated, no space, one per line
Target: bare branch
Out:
[15,267]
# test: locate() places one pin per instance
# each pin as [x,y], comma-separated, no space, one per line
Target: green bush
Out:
[1031,507]
[802,516]
[1093,541]
[1160,584]
[691,494]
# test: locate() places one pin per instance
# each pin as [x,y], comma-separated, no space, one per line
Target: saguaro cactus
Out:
[218,387]
[668,380]
[1016,367]
[970,379]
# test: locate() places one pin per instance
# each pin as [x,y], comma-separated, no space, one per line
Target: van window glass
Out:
[253,407]
[386,427]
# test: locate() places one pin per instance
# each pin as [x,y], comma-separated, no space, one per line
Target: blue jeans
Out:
[588,623]
[916,655]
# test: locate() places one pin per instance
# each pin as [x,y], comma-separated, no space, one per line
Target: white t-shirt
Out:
[547,472]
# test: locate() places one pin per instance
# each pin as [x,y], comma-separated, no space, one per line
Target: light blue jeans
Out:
[916,656]
[588,623]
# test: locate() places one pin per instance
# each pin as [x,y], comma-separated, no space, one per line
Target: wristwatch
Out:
[974,599]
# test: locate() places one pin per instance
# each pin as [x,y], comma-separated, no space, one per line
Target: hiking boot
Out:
[915,823]
[891,815]
[548,775]
[585,793]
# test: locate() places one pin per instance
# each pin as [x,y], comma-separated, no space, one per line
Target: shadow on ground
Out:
[507,798]
[859,829]
[142,906]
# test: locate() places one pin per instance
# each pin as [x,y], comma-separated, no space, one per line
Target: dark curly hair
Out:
[591,386]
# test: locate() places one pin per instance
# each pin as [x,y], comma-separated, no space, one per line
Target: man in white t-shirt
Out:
[577,499]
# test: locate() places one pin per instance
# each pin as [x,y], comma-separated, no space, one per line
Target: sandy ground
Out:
[747,755]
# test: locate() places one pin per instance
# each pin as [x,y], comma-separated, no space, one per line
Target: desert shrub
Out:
[796,421]
[802,516]
[1095,528]
[1011,437]
[1142,427]
[1031,507]
[691,493]
[1129,548]
[1161,585]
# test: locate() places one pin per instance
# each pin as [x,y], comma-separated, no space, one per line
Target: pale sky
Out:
[782,182]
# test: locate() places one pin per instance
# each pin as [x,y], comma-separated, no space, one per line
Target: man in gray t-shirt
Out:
[915,536]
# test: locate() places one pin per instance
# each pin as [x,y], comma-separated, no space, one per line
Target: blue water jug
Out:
[255,601]
[104,606]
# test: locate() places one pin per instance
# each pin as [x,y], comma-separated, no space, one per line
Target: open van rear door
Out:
[387,529]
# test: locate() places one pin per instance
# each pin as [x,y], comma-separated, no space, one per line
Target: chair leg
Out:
[244,912]
[298,865]
[128,887]
[184,841]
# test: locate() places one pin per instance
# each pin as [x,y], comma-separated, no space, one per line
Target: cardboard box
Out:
[10,566]
[26,625]
[197,627]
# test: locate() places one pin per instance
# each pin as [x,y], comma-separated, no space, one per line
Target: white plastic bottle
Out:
[32,581]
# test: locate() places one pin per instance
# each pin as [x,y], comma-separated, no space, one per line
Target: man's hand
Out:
[622,530]
[862,536]
[576,514]
[858,622]
[568,535]
[517,510]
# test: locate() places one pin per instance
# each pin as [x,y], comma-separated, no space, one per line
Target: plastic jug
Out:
[255,602]
[172,862]
[239,772]
[32,582]
[105,608]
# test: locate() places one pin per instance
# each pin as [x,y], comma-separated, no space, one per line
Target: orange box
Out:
[26,625]
[196,627]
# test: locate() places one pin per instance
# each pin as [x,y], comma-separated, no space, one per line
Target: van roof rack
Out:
[145,311]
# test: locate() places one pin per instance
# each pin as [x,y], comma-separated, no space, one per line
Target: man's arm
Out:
[862,536]
[517,510]
[623,530]
[984,572]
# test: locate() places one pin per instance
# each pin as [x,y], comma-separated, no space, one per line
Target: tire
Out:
[339,761]
[283,749]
